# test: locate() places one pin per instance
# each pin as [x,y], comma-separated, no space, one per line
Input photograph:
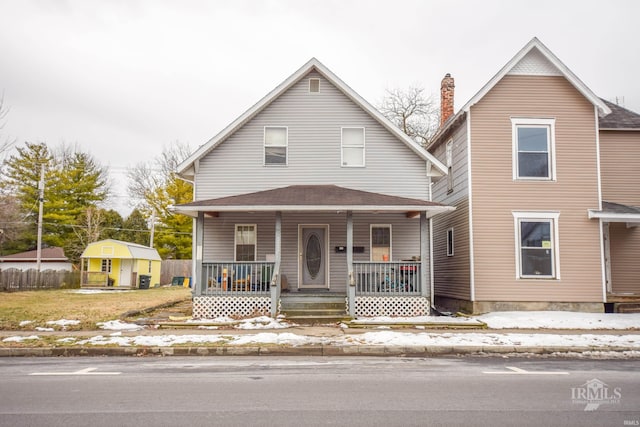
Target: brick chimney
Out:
[446,98]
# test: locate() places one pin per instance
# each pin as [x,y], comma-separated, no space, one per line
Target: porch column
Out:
[351,283]
[200,284]
[275,287]
[424,256]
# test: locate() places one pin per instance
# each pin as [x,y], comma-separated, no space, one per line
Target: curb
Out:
[310,350]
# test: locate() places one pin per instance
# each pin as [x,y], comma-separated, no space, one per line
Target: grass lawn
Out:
[42,306]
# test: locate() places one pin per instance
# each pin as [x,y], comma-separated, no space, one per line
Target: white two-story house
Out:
[312,191]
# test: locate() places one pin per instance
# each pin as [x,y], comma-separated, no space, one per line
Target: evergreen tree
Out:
[20,178]
[74,182]
[173,231]
[135,228]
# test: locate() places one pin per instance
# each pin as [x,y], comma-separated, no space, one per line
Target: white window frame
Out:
[450,247]
[235,241]
[552,218]
[317,80]
[105,265]
[343,146]
[371,227]
[550,124]
[286,146]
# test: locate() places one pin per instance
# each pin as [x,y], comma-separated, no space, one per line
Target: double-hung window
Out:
[537,245]
[380,242]
[352,147]
[275,145]
[533,149]
[105,267]
[246,238]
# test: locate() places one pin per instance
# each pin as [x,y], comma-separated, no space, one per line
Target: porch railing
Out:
[387,278]
[237,278]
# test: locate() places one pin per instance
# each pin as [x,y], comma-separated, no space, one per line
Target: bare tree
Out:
[412,111]
[145,179]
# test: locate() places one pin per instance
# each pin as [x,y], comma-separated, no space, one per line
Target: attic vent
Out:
[314,85]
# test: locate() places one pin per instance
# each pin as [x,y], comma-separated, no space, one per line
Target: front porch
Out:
[374,250]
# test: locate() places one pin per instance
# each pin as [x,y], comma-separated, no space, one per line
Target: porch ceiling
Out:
[616,212]
[313,198]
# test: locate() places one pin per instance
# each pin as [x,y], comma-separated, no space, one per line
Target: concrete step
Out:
[309,308]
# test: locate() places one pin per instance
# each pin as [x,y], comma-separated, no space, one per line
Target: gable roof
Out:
[135,250]
[312,198]
[187,168]
[620,118]
[518,65]
[46,255]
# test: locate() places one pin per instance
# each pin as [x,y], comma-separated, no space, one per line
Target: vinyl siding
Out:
[219,238]
[314,124]
[496,195]
[619,166]
[624,252]
[452,274]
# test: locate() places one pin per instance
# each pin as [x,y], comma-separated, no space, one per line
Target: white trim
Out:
[604,242]
[314,79]
[431,272]
[613,217]
[185,168]
[343,146]
[450,250]
[286,145]
[472,275]
[327,273]
[448,149]
[606,237]
[371,240]
[235,240]
[430,210]
[551,217]
[549,124]
[566,72]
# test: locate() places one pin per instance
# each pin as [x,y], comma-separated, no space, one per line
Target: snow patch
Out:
[117,325]
[25,323]
[41,329]
[63,323]
[20,338]
[559,320]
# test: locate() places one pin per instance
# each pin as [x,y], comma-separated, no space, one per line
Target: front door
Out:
[314,263]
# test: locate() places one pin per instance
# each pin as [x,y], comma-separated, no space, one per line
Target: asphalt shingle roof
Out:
[620,118]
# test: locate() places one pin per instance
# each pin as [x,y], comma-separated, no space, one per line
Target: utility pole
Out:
[41,200]
[153,227]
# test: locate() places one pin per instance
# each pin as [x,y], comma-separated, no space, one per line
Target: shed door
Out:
[126,268]
[313,257]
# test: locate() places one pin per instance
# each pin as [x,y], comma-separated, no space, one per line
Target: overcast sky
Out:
[125,78]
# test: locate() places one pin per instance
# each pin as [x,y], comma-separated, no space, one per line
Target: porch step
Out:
[314,308]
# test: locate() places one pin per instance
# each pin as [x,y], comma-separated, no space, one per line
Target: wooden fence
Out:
[174,268]
[29,280]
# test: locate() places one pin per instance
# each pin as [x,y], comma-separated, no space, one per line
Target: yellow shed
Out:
[120,264]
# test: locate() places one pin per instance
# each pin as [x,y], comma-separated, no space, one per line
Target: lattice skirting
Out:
[209,307]
[391,306]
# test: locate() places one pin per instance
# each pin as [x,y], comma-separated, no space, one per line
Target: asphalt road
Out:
[301,391]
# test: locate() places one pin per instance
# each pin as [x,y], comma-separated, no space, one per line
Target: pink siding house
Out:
[544,176]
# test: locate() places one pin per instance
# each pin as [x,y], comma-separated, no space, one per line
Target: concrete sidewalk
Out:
[324,340]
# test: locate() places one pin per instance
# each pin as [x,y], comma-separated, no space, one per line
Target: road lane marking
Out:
[85,371]
[517,371]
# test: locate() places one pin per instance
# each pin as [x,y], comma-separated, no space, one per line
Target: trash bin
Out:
[177,281]
[144,281]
